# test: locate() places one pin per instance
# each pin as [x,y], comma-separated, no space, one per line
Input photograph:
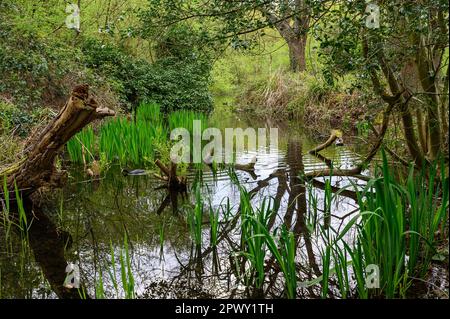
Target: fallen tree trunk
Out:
[353,172]
[37,168]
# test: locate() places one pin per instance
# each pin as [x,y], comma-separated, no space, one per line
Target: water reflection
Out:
[89,226]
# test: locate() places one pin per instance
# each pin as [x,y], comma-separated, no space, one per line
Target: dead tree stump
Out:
[37,168]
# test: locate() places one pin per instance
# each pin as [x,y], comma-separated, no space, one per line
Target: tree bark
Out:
[421,128]
[174,182]
[294,34]
[37,169]
[444,109]
[428,81]
[297,53]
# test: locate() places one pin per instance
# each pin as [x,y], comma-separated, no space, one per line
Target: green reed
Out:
[23,221]
[313,208]
[396,231]
[214,225]
[341,264]
[284,253]
[126,273]
[149,112]
[84,139]
[252,235]
[7,222]
[185,119]
[195,217]
[287,254]
[99,287]
[257,240]
[326,258]
[123,140]
[128,142]
[428,196]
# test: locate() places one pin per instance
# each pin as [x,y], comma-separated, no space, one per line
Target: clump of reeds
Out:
[396,233]
[195,217]
[123,140]
[139,139]
[126,274]
[185,119]
[81,146]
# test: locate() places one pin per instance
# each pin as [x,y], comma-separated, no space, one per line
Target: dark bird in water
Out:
[134,172]
[339,142]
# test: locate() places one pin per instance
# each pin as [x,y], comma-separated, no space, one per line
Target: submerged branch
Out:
[333,137]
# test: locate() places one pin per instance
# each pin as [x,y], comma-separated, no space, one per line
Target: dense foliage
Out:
[39,68]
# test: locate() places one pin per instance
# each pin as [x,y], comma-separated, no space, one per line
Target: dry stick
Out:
[173,181]
[163,178]
[391,152]
[356,171]
[323,146]
[343,192]
[162,167]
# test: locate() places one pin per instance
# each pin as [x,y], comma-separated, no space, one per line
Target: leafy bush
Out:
[39,66]
[172,82]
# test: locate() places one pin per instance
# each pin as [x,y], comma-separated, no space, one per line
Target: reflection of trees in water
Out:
[48,245]
[294,217]
[131,207]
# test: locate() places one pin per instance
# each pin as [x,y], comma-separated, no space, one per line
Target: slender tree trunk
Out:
[297,53]
[409,134]
[434,127]
[424,65]
[444,109]
[421,127]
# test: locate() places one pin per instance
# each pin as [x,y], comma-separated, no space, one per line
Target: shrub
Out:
[173,82]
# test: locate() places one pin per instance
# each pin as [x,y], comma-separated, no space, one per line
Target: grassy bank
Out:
[259,83]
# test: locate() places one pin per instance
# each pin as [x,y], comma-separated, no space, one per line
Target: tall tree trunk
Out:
[297,53]
[294,34]
[444,109]
[427,78]
[422,130]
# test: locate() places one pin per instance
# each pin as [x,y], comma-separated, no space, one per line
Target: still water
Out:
[89,223]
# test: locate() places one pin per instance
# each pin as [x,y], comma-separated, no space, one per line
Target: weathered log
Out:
[245,167]
[163,168]
[37,168]
[353,172]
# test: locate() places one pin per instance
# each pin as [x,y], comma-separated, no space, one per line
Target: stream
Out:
[89,221]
